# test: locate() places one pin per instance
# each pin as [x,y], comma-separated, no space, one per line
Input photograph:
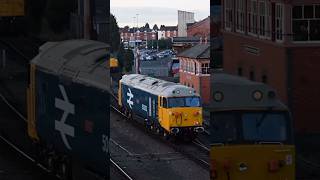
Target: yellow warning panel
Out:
[12,8]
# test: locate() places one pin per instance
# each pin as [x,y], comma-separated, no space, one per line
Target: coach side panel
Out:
[142,103]
[74,118]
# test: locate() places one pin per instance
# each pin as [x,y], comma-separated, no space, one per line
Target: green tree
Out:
[129,57]
[147,26]
[120,56]
[165,44]
[114,34]
[125,58]
[152,43]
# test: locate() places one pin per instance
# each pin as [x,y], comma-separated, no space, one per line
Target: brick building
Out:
[143,34]
[277,42]
[200,29]
[166,32]
[195,69]
[180,44]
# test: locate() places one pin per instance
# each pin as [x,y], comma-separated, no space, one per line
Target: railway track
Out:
[123,172]
[29,157]
[24,47]
[11,45]
[195,151]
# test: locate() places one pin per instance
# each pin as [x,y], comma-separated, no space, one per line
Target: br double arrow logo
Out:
[67,109]
[130,97]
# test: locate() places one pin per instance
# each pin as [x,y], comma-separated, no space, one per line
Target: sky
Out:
[156,11]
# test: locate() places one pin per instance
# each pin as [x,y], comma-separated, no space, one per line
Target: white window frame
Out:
[228,13]
[262,19]
[307,19]
[279,14]
[253,28]
[268,20]
[240,16]
[206,67]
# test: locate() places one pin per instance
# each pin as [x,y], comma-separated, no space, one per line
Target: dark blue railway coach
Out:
[68,106]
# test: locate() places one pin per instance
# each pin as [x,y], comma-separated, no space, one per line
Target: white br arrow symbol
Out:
[67,109]
[130,95]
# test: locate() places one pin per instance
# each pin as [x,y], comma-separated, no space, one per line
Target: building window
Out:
[306,23]
[240,71]
[268,20]
[279,22]
[240,16]
[228,19]
[262,18]
[195,68]
[205,68]
[253,17]
[252,77]
[265,79]
[192,67]
[186,66]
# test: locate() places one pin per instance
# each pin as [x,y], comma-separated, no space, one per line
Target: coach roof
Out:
[157,86]
[83,61]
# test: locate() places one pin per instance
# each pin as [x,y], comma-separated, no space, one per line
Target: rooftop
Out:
[199,51]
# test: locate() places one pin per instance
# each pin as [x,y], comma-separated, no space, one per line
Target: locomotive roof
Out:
[157,86]
[238,94]
[83,61]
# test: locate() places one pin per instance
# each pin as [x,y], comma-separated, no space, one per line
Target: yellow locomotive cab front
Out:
[178,114]
[251,162]
[252,145]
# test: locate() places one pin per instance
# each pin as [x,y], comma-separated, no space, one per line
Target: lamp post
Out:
[146,34]
[152,38]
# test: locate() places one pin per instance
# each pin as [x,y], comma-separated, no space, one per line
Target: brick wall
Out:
[276,61]
[201,29]
[270,60]
[200,83]
[306,89]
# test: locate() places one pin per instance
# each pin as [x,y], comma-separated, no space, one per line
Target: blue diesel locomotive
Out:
[165,107]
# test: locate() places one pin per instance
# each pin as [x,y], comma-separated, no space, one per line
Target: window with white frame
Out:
[279,22]
[188,66]
[268,20]
[262,18]
[240,16]
[306,23]
[181,65]
[205,68]
[191,67]
[253,17]
[196,68]
[228,19]
[185,65]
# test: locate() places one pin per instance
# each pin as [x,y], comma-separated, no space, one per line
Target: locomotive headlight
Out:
[218,96]
[257,95]
[197,113]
